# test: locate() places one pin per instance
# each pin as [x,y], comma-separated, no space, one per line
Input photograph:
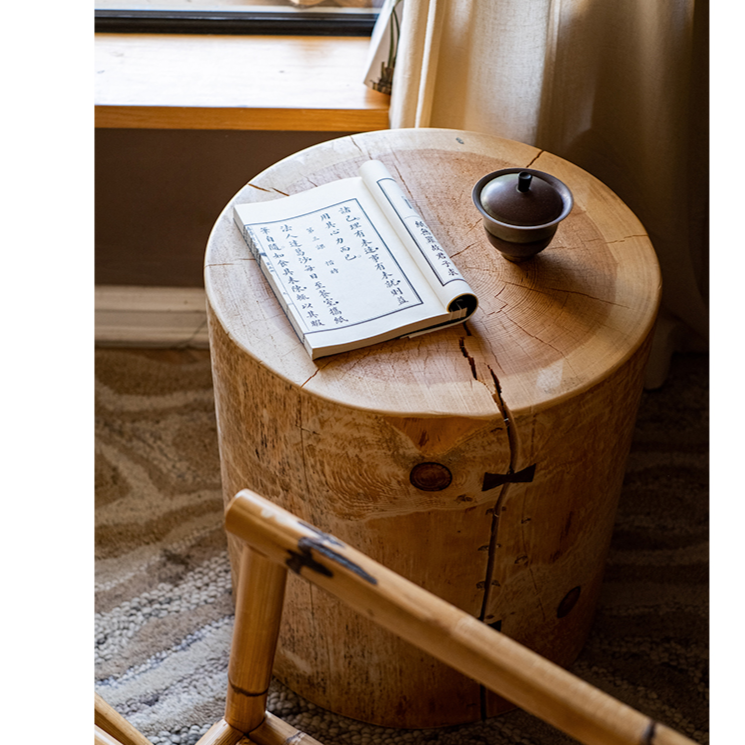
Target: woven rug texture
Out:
[164,609]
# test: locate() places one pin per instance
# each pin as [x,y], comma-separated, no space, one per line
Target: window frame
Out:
[266,23]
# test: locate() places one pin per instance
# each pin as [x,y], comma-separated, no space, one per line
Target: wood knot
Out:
[430,477]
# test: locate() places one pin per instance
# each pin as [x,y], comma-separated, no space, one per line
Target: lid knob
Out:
[523,181]
[521,198]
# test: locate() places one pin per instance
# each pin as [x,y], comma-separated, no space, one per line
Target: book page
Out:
[431,258]
[331,257]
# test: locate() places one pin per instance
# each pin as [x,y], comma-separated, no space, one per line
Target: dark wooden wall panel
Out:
[158,193]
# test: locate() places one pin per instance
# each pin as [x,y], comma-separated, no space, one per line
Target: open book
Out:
[352,263]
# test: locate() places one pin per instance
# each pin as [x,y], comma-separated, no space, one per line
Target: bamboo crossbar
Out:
[221,733]
[275,731]
[114,726]
[447,633]
[102,737]
[271,731]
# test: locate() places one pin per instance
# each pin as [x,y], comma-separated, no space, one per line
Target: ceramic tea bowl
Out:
[522,209]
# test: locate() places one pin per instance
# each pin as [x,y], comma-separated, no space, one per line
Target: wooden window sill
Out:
[305,83]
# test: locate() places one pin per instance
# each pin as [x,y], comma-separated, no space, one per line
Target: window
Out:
[302,17]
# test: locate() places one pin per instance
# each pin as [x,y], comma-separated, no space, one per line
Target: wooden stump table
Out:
[483,462]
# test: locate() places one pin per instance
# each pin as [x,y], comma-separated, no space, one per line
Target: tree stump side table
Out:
[483,462]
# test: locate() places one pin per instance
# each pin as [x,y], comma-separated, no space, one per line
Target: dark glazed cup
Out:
[522,209]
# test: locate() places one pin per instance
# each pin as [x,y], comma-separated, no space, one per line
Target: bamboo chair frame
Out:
[275,540]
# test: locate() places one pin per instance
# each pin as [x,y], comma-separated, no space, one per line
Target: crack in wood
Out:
[231,263]
[471,360]
[272,190]
[260,188]
[550,290]
[476,225]
[358,146]
[489,580]
[311,378]
[493,544]
[626,238]
[540,152]
[474,367]
[465,248]
[493,480]
[537,338]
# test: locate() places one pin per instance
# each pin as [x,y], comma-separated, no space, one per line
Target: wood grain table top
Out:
[546,329]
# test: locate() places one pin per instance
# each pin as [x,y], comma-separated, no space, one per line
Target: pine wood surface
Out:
[546,329]
[529,406]
[187,81]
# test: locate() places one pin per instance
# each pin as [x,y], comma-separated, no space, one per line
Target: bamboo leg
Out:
[452,636]
[114,724]
[261,592]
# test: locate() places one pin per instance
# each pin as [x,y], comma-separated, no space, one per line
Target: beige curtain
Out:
[618,87]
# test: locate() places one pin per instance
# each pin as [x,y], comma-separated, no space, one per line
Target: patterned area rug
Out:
[164,610]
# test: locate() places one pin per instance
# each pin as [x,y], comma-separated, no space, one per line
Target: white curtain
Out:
[618,87]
